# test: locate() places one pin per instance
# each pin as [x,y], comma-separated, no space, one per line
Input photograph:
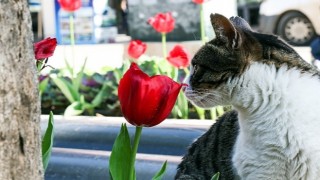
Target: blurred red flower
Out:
[70,5]
[146,101]
[162,22]
[136,48]
[179,57]
[198,1]
[45,48]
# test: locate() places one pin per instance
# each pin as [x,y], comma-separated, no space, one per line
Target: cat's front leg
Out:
[250,165]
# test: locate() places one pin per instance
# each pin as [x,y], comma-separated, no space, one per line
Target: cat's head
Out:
[229,55]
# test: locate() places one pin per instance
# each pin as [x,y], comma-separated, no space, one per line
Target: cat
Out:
[274,130]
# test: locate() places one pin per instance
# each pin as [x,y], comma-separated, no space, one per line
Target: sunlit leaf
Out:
[78,79]
[66,88]
[76,108]
[47,142]
[119,162]
[161,173]
[216,176]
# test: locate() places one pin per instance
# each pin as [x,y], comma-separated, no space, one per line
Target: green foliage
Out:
[161,172]
[47,142]
[42,85]
[216,176]
[70,88]
[119,165]
[122,158]
[87,94]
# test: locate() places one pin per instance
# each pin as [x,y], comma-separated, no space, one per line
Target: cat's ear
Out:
[241,23]
[225,31]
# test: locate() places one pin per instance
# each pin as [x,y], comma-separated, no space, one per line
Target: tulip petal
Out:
[136,48]
[179,57]
[146,101]
[162,22]
[45,48]
[70,5]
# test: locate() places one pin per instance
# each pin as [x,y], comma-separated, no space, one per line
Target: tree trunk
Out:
[20,152]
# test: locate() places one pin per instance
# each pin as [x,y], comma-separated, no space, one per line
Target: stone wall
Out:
[185,12]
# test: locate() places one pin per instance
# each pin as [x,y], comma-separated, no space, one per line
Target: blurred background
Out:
[114,21]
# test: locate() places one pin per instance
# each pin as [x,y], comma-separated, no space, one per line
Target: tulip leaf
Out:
[76,108]
[160,174]
[119,165]
[200,112]
[183,106]
[216,176]
[69,68]
[100,96]
[78,80]
[67,89]
[43,85]
[47,142]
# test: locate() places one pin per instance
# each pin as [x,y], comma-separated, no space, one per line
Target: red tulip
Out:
[198,1]
[45,48]
[179,57]
[162,22]
[146,101]
[70,5]
[136,48]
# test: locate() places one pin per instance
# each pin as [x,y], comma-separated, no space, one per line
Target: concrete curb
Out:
[68,164]
[172,137]
[82,146]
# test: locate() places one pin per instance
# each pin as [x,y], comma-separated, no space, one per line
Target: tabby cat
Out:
[274,130]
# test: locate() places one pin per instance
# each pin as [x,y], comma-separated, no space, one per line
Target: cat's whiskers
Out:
[204,98]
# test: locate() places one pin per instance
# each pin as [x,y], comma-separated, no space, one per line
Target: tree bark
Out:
[20,151]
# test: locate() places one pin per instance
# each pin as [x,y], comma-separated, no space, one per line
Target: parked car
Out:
[249,10]
[296,21]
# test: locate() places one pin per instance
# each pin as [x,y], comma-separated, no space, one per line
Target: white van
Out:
[296,21]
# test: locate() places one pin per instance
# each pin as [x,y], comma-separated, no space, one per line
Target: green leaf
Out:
[200,112]
[119,162]
[160,173]
[43,85]
[220,110]
[67,89]
[101,95]
[78,80]
[69,68]
[47,142]
[76,108]
[183,105]
[216,176]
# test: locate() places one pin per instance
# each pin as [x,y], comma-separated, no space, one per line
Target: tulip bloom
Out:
[198,1]
[136,48]
[179,57]
[162,22]
[70,5]
[45,48]
[146,101]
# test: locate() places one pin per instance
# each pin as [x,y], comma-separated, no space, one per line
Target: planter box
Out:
[82,146]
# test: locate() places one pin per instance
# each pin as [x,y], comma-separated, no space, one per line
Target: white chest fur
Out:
[279,117]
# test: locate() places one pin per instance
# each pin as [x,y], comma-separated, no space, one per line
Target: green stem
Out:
[203,36]
[39,65]
[213,113]
[186,70]
[135,149]
[72,42]
[164,46]
[175,73]
[200,112]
